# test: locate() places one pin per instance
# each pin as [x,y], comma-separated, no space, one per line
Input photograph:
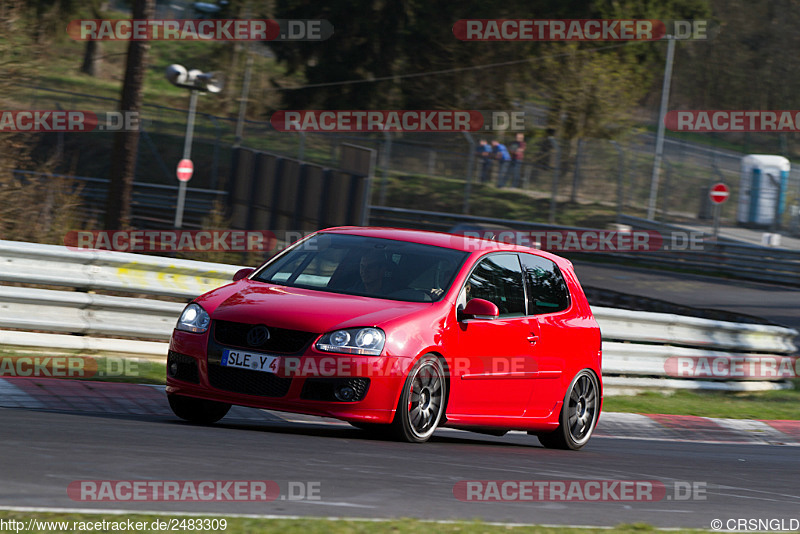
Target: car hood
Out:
[293,308]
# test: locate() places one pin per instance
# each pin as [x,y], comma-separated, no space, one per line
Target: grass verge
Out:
[745,405]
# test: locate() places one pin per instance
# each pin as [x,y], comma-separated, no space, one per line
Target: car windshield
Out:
[367,266]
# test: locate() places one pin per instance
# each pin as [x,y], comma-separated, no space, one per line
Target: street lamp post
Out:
[196,81]
[187,154]
[651,206]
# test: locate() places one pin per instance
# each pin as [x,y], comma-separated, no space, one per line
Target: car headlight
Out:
[193,319]
[366,341]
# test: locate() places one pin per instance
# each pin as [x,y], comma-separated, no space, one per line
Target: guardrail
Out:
[438,221]
[724,256]
[636,345]
[53,265]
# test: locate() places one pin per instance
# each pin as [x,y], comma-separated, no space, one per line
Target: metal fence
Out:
[588,171]
[152,206]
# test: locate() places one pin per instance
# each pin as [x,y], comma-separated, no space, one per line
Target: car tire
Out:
[578,416]
[200,411]
[422,401]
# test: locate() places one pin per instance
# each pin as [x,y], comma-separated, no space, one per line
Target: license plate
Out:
[250,360]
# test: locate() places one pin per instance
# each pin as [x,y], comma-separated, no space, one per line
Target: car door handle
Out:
[533,338]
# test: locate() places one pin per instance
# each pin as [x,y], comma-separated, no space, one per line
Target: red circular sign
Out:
[185,170]
[719,193]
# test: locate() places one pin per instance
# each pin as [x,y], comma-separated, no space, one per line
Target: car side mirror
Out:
[479,309]
[241,273]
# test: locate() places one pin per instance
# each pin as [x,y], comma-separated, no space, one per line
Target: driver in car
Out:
[371,270]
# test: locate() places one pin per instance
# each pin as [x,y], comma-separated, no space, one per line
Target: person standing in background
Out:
[501,154]
[485,153]
[517,151]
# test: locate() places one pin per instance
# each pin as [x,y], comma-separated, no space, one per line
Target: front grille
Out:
[185,367]
[321,389]
[281,340]
[248,382]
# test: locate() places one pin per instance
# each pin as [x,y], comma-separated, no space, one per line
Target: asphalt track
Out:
[359,475]
[777,303]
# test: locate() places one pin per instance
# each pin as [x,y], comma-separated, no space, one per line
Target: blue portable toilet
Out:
[762,189]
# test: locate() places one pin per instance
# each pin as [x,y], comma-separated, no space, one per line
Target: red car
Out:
[401,330]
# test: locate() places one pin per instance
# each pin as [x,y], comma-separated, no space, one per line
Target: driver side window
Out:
[498,279]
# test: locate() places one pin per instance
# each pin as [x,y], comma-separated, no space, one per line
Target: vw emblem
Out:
[257,336]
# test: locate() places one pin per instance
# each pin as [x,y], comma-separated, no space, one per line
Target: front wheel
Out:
[421,404]
[199,411]
[578,414]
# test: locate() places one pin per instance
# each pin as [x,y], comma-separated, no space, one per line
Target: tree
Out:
[126,144]
[91,54]
[593,89]
[376,39]
[49,17]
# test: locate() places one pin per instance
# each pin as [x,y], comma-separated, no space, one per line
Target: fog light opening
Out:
[173,368]
[344,393]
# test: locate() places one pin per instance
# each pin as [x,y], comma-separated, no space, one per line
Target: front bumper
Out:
[304,383]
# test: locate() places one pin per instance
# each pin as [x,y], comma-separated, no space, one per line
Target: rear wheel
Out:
[578,414]
[421,405]
[199,411]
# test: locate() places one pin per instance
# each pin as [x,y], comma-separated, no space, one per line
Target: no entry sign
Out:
[719,193]
[185,170]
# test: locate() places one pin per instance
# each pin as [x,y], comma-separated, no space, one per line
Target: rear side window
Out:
[547,290]
[498,279]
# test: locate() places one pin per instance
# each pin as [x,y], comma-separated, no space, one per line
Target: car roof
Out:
[444,240]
